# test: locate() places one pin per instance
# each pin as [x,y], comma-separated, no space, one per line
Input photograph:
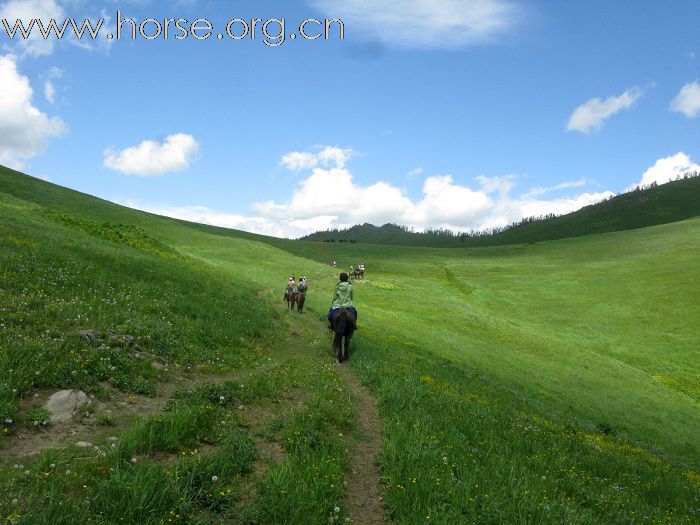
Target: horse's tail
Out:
[340,320]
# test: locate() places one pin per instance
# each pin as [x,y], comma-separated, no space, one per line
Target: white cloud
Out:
[501,184]
[331,155]
[445,203]
[152,158]
[415,172]
[667,169]
[26,10]
[589,117]
[325,156]
[49,92]
[45,10]
[536,208]
[426,24]
[330,198]
[101,43]
[297,161]
[24,130]
[688,100]
[539,190]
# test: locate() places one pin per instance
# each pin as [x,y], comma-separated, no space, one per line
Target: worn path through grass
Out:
[363,495]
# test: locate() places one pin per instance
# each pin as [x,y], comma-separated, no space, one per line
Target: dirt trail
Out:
[363,495]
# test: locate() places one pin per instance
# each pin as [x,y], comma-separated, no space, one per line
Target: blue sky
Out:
[442,113]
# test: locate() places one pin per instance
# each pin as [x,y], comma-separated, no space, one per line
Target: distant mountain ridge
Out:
[659,204]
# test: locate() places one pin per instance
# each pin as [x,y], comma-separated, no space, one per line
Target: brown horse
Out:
[357,273]
[291,298]
[301,299]
[343,326]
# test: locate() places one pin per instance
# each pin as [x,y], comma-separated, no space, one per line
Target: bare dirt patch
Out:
[123,410]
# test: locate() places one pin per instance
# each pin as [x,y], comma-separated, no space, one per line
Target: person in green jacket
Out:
[342,298]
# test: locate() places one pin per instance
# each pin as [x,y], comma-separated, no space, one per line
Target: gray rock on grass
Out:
[64,403]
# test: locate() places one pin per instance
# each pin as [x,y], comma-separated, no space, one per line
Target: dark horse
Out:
[291,298]
[301,299]
[343,326]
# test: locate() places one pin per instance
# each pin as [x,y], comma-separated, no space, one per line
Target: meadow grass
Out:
[65,270]
[546,383]
[601,329]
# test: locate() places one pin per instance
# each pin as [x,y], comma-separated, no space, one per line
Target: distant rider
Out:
[291,285]
[303,284]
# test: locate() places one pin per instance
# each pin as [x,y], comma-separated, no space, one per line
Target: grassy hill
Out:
[674,201]
[546,383]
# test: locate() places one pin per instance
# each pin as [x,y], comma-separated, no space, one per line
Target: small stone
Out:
[158,365]
[64,403]
[83,444]
[91,335]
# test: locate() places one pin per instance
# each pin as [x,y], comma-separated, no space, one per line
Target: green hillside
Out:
[674,201]
[547,383]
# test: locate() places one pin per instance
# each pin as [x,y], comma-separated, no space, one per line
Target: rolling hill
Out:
[554,382]
[670,202]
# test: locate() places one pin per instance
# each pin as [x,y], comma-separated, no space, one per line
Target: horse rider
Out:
[303,284]
[291,285]
[342,298]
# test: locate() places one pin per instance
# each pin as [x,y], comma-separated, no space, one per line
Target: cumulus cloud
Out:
[589,117]
[297,161]
[24,130]
[688,100]
[536,208]
[44,11]
[152,158]
[325,156]
[329,197]
[26,10]
[667,169]
[331,193]
[501,184]
[426,24]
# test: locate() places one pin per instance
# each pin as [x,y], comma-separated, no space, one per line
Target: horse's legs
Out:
[338,347]
[346,348]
